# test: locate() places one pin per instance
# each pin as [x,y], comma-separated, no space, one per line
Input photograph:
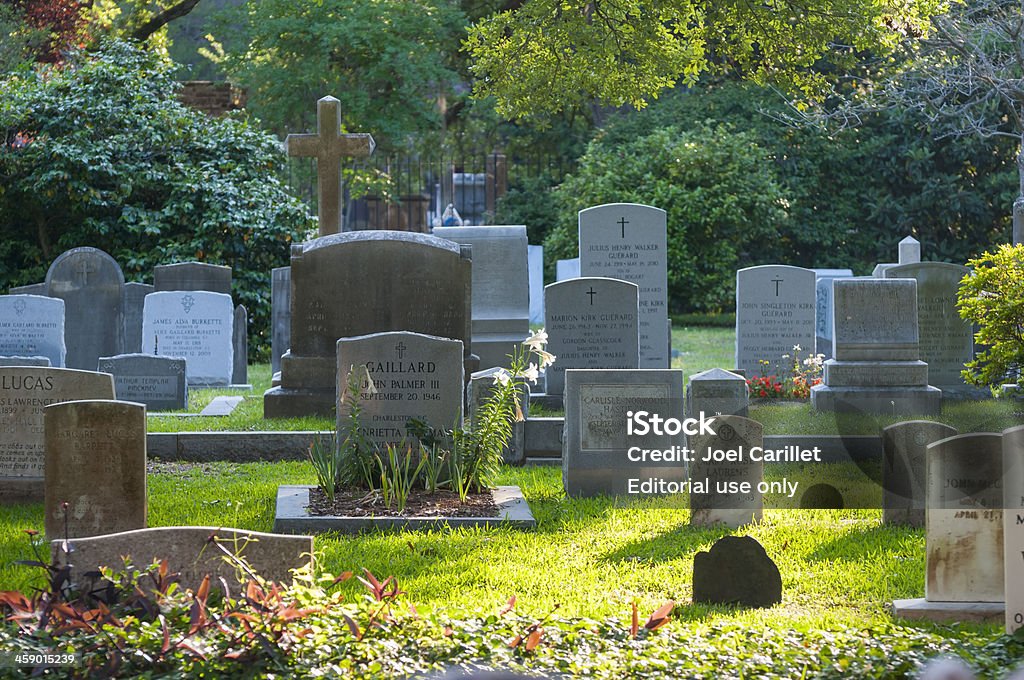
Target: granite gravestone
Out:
[876,366]
[195,326]
[1013,526]
[501,288]
[91,285]
[775,306]
[280,314]
[189,553]
[360,283]
[736,571]
[134,300]
[595,446]
[402,376]
[823,313]
[96,465]
[731,495]
[158,382]
[214,278]
[904,446]
[480,388]
[535,256]
[24,392]
[32,325]
[909,251]
[25,361]
[567,269]
[30,289]
[240,346]
[947,341]
[591,323]
[717,392]
[964,519]
[628,241]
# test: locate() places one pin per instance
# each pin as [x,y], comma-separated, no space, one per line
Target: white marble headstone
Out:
[194,325]
[32,325]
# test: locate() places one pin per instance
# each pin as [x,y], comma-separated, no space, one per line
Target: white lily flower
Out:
[537,340]
[796,348]
[546,358]
[502,376]
[531,373]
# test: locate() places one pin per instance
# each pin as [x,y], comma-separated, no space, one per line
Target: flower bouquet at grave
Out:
[459,461]
[792,377]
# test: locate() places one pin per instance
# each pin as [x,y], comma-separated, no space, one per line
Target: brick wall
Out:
[212,98]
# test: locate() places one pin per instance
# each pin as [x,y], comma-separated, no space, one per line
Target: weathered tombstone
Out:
[567,269]
[196,326]
[156,381]
[775,306]
[30,289]
[32,325]
[280,314]
[535,255]
[904,447]
[91,285]
[717,392]
[240,346]
[591,323]
[213,278]
[501,288]
[731,497]
[876,366]
[1013,526]
[134,300]
[822,496]
[628,241]
[595,447]
[738,571]
[329,146]
[909,251]
[964,519]
[24,392]
[479,389]
[365,282]
[823,314]
[24,361]
[402,376]
[95,468]
[947,341]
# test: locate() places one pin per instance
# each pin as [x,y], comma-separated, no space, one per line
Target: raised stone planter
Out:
[292,517]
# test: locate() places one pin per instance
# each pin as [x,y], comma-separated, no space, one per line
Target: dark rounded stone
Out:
[737,571]
[822,497]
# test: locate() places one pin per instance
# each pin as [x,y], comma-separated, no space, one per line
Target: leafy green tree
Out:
[994,300]
[102,154]
[545,55]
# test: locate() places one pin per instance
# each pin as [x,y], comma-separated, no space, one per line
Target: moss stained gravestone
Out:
[722,503]
[736,571]
[95,472]
[32,325]
[1013,526]
[904,448]
[24,393]
[591,322]
[628,241]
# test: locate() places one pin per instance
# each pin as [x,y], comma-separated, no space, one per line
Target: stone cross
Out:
[329,146]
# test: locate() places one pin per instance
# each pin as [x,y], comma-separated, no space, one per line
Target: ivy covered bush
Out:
[101,153]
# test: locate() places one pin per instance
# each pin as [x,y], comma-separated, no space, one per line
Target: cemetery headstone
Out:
[134,300]
[947,341]
[156,381]
[479,389]
[736,571]
[732,497]
[628,241]
[535,255]
[775,306]
[24,392]
[904,447]
[591,323]
[964,519]
[595,446]
[501,288]
[24,361]
[567,269]
[329,147]
[402,376]
[214,278]
[32,325]
[717,392]
[876,366]
[1013,526]
[95,468]
[240,346]
[91,285]
[30,289]
[822,496]
[280,314]
[360,283]
[188,553]
[823,314]
[193,325]
[909,251]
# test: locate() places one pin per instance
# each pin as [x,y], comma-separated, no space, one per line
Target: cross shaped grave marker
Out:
[591,293]
[400,349]
[776,281]
[329,146]
[84,269]
[622,223]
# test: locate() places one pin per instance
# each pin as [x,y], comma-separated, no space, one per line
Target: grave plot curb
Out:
[291,517]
